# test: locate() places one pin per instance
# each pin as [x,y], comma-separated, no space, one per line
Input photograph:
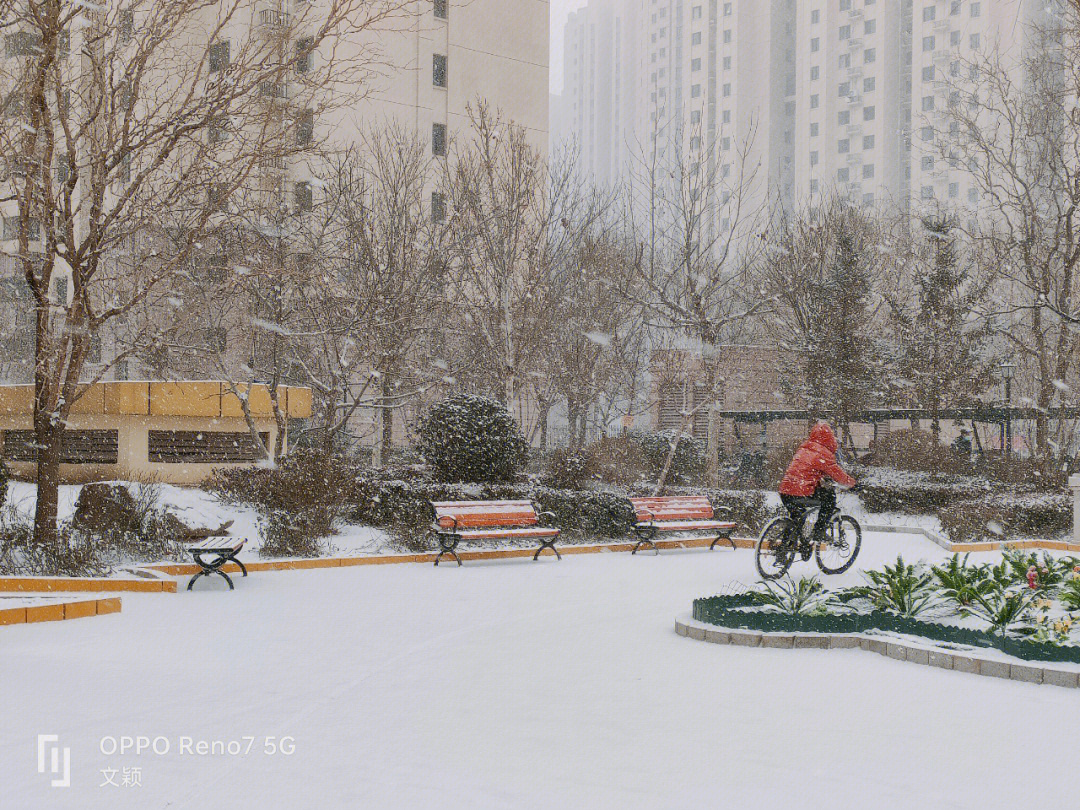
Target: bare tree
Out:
[131,123]
[701,217]
[1014,127]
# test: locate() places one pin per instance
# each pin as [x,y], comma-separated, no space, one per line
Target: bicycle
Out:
[835,553]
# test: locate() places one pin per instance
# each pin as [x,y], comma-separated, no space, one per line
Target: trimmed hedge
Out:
[1005,516]
[727,611]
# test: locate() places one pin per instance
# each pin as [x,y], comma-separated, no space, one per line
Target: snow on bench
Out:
[489,520]
[213,553]
[678,513]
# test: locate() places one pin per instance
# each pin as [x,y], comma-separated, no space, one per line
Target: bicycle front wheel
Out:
[837,552]
[775,550]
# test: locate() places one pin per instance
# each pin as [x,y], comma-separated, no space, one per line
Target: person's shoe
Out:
[805,549]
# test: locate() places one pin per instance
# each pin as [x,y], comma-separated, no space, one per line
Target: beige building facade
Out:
[168,432]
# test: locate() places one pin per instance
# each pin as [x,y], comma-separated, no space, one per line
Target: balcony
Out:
[272,19]
[274,91]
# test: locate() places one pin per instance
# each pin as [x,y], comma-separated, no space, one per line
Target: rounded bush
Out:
[4,476]
[472,438]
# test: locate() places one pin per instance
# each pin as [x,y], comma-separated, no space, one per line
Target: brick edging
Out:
[185,569]
[893,648]
[54,612]
[84,584]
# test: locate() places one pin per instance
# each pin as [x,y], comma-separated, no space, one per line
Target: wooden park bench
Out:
[490,520]
[682,514]
[213,553]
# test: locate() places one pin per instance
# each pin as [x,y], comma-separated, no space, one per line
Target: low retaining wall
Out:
[186,569]
[59,611]
[81,584]
[892,648]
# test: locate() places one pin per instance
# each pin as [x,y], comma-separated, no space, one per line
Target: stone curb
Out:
[186,569]
[892,648]
[85,584]
[962,548]
[59,611]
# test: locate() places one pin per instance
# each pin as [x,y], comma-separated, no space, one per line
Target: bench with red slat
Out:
[678,513]
[489,520]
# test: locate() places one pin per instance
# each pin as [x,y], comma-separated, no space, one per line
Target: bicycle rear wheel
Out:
[843,539]
[775,549]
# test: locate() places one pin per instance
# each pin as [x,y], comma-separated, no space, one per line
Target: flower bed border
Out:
[893,648]
[726,611]
[59,611]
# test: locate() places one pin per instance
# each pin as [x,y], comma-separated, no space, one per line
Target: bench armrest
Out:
[545,518]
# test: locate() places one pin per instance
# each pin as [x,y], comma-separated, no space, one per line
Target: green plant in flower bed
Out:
[1002,609]
[902,588]
[1070,592]
[962,582]
[791,597]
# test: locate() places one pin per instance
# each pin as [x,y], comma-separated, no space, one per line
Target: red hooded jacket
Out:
[814,461]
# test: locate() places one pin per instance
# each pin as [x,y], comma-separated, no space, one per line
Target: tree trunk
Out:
[48,432]
[386,419]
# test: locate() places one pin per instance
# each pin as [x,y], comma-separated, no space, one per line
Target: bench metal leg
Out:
[448,543]
[212,567]
[243,568]
[726,537]
[546,544]
[645,538]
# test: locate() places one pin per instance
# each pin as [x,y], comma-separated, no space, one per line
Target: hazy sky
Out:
[560,10]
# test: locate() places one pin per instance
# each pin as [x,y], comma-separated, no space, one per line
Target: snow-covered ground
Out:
[510,684]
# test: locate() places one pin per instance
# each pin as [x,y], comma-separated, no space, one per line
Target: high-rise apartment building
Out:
[817,96]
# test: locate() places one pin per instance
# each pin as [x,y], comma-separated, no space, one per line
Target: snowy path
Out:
[510,685]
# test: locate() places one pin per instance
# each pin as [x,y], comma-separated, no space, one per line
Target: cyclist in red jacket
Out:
[802,486]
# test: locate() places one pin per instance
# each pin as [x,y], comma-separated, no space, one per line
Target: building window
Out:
[219,56]
[727,63]
[844,89]
[305,127]
[302,197]
[695,91]
[927,103]
[973,195]
[928,44]
[813,130]
[438,206]
[868,171]
[844,61]
[726,90]
[438,140]
[868,199]
[727,36]
[929,13]
[695,64]
[843,175]
[954,7]
[845,5]
[725,117]
[927,163]
[927,192]
[869,84]
[868,142]
[695,38]
[975,42]
[695,116]
[813,158]
[815,45]
[695,13]
[954,190]
[845,32]
[438,69]
[869,113]
[976,9]
[869,55]
[814,186]
[927,133]
[127,24]
[928,73]
[870,27]
[843,118]
[304,48]
[843,146]
[440,8]
[815,73]
[813,102]
[815,17]
[727,9]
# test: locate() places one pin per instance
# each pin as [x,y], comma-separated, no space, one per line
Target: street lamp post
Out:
[1007,370]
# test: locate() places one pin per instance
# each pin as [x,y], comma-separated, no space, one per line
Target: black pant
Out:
[798,505]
